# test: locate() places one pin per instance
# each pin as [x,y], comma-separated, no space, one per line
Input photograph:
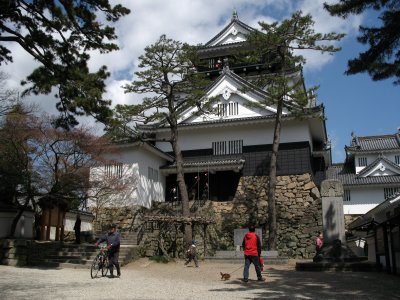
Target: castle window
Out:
[235,147]
[389,192]
[227,147]
[153,174]
[228,109]
[362,161]
[113,170]
[346,196]
[397,159]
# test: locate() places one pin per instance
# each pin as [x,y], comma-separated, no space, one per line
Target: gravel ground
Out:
[144,279]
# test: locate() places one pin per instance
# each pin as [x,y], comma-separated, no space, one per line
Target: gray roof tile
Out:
[345,174]
[375,143]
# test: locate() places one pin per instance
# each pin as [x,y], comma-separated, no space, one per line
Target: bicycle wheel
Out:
[104,266]
[94,269]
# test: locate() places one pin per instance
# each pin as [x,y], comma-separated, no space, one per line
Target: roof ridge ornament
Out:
[234,15]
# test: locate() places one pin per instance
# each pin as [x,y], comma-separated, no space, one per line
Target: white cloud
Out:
[194,21]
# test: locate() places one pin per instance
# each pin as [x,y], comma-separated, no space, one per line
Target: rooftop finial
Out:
[235,15]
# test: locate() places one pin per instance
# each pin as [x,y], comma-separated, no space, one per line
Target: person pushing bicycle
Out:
[113,244]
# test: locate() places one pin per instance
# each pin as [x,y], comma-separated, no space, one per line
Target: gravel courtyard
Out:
[144,279]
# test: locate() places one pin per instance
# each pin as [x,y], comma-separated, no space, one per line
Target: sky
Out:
[352,103]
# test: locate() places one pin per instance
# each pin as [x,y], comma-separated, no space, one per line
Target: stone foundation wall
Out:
[126,218]
[14,252]
[298,205]
[299,218]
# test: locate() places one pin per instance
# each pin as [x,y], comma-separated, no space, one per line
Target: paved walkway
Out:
[144,279]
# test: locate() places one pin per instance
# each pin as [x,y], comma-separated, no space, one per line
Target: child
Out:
[191,253]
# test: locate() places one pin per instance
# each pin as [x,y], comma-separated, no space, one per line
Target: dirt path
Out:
[144,279]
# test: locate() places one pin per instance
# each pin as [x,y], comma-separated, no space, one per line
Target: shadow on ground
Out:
[291,284]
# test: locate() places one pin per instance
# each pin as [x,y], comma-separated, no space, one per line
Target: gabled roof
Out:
[319,110]
[147,146]
[381,162]
[243,87]
[345,174]
[377,143]
[235,23]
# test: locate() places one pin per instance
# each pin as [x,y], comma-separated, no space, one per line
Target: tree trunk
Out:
[272,179]
[272,240]
[180,178]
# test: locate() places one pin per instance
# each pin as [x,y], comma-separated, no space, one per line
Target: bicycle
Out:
[100,262]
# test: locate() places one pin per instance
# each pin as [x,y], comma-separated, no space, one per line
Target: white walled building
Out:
[236,141]
[133,173]
[371,172]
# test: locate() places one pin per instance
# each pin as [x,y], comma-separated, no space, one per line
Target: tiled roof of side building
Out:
[375,143]
[345,174]
[376,162]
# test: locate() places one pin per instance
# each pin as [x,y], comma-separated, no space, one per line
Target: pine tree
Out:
[59,35]
[275,44]
[382,59]
[167,77]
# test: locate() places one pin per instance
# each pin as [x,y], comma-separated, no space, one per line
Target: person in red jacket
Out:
[252,252]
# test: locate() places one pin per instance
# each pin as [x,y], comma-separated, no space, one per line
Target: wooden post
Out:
[205,238]
[43,225]
[58,224]
[62,225]
[48,225]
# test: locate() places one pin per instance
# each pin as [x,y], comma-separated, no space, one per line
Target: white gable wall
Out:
[233,34]
[244,111]
[370,159]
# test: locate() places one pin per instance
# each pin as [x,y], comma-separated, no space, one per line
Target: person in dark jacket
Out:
[77,229]
[113,244]
[191,254]
[252,252]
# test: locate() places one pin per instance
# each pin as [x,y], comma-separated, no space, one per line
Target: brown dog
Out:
[225,276]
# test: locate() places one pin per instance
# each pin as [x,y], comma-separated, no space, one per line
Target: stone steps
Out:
[82,255]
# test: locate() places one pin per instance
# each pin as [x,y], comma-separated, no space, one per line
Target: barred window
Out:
[362,161]
[389,192]
[227,147]
[228,109]
[346,196]
[113,170]
[153,174]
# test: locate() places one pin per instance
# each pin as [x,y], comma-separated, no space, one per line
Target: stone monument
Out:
[332,212]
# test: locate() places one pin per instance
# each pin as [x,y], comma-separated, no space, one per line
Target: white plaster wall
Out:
[229,37]
[70,218]
[391,156]
[363,199]
[244,111]
[24,227]
[191,139]
[370,159]
[139,160]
